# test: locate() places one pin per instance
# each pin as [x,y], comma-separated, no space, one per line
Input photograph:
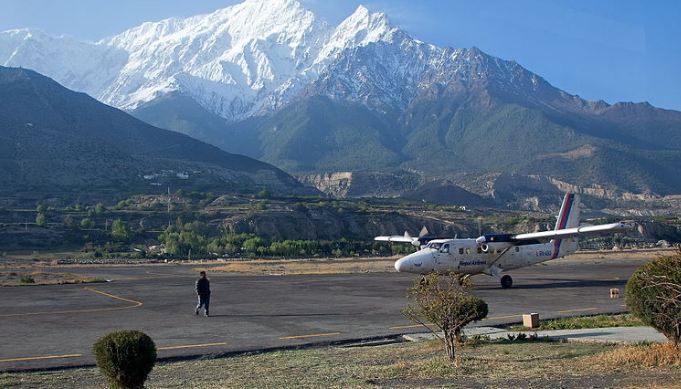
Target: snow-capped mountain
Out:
[244,60]
[236,62]
[269,79]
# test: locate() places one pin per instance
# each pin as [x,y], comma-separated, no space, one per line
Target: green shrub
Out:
[653,293]
[125,358]
[27,279]
[41,220]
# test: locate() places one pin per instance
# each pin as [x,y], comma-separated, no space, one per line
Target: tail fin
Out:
[569,212]
[567,218]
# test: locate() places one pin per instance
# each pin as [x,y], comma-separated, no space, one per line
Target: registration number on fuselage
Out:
[476,262]
[544,253]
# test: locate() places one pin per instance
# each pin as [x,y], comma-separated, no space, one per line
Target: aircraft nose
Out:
[401,265]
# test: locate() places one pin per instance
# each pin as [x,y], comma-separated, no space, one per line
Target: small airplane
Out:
[421,241]
[493,254]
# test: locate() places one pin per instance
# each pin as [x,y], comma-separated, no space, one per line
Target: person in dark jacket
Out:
[203,291]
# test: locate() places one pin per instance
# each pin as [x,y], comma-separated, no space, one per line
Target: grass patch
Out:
[421,364]
[575,323]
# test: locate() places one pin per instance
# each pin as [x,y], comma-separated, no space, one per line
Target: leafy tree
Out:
[86,223]
[251,245]
[653,293]
[118,230]
[40,219]
[179,239]
[99,209]
[41,208]
[446,302]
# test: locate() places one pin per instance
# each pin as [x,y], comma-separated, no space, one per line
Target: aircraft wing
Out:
[570,232]
[395,238]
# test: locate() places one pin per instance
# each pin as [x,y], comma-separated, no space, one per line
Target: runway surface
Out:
[55,326]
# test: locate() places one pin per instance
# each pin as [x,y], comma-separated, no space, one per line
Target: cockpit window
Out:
[445,249]
[434,245]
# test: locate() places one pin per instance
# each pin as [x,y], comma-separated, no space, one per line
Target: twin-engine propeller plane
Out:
[493,254]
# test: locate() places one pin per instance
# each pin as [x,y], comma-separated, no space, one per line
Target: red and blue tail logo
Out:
[567,218]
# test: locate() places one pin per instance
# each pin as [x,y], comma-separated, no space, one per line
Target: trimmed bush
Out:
[653,293]
[125,358]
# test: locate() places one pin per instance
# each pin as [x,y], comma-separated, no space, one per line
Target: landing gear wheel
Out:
[506,281]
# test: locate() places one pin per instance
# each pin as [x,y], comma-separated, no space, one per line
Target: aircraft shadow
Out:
[562,284]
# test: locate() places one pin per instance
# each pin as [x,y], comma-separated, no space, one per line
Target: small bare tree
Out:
[446,302]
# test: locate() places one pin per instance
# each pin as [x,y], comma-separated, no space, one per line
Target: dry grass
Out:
[488,365]
[649,355]
[309,266]
[620,255]
[42,278]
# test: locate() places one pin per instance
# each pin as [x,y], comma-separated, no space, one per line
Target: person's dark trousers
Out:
[204,301]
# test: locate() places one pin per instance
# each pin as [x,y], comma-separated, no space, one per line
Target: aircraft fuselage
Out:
[466,256]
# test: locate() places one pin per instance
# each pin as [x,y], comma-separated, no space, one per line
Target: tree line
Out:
[181,240]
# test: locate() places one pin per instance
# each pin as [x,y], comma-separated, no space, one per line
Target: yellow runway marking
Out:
[135,303]
[578,310]
[192,346]
[310,336]
[41,358]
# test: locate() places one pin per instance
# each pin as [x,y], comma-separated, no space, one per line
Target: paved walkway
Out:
[605,335]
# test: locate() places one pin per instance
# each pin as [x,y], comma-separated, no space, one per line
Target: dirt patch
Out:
[620,254]
[21,278]
[376,265]
[309,266]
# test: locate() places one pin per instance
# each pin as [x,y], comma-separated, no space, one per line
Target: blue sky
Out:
[615,50]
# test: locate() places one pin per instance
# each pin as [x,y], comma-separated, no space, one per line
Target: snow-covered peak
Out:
[240,23]
[359,29]
[237,61]
[82,66]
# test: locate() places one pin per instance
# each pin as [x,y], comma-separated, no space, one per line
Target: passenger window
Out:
[461,250]
[445,249]
[468,251]
[479,250]
[517,249]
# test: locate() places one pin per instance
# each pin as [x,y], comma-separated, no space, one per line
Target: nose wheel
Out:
[506,281]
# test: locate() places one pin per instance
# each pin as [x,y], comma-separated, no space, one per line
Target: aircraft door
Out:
[443,258]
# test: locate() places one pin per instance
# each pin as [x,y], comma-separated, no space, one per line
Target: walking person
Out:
[203,291]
